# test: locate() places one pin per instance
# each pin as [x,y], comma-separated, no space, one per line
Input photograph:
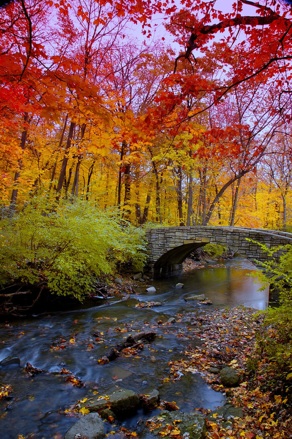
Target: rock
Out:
[90,426]
[150,400]
[227,412]
[135,341]
[196,297]
[214,370]
[118,281]
[229,377]
[171,320]
[122,402]
[137,276]
[179,286]
[151,290]
[189,425]
[206,302]
[10,360]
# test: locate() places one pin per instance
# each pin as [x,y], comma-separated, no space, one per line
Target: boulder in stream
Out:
[10,360]
[187,425]
[121,402]
[151,290]
[150,400]
[90,426]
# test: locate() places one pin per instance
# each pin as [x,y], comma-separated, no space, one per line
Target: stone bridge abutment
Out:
[168,247]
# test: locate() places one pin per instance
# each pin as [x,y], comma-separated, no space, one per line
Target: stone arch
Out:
[169,246]
[171,262]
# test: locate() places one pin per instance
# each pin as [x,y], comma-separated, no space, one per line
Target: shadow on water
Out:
[76,340]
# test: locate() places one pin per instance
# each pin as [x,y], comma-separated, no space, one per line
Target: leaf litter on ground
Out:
[228,338]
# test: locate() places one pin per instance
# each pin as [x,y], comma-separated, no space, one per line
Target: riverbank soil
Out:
[229,339]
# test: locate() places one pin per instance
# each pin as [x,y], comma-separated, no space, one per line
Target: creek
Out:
[76,340]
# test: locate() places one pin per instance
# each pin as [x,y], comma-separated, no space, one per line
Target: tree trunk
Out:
[234,203]
[23,140]
[202,203]
[62,175]
[190,211]
[90,172]
[220,193]
[75,186]
[127,196]
[146,209]
[122,155]
[179,176]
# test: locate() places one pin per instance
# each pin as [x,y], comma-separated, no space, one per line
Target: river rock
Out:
[137,276]
[229,377]
[121,402]
[179,285]
[90,426]
[10,360]
[150,400]
[196,297]
[189,425]
[119,281]
[227,411]
[151,290]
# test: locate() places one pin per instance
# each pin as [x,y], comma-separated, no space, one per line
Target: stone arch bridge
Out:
[168,247]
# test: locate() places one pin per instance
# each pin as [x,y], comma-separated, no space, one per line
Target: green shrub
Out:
[214,250]
[66,247]
[275,341]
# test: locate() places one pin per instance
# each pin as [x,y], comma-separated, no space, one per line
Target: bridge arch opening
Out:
[170,263]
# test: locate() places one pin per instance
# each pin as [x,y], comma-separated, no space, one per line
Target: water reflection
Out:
[229,285]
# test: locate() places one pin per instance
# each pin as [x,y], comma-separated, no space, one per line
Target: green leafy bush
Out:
[214,250]
[66,247]
[274,343]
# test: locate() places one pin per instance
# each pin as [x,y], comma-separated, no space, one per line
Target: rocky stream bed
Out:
[200,341]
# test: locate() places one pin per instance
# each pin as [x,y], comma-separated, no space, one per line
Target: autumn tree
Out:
[276,175]
[260,31]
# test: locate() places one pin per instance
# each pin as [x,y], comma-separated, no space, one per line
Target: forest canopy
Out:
[174,112]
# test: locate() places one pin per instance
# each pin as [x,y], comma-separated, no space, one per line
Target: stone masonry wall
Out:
[162,240]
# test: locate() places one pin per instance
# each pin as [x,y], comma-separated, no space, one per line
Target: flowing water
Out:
[67,347]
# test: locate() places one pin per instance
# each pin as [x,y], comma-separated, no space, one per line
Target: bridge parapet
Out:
[169,246]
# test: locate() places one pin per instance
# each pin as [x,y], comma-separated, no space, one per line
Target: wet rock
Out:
[124,401]
[188,425]
[151,290]
[227,412]
[196,297]
[32,370]
[136,341]
[229,377]
[150,304]
[121,402]
[90,426]
[179,286]
[150,400]
[206,302]
[10,360]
